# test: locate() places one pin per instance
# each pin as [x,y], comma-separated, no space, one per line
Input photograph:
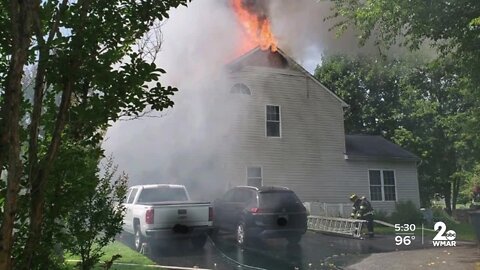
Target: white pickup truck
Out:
[156,212]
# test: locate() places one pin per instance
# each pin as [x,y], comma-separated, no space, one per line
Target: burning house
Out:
[289,130]
[265,121]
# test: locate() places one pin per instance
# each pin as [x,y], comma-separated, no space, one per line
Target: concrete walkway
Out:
[466,256]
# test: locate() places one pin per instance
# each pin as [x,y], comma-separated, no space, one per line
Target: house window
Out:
[254,176]
[382,185]
[273,121]
[240,88]
[389,186]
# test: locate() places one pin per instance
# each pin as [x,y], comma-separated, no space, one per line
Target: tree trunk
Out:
[21,20]
[448,198]
[456,190]
[39,182]
[36,175]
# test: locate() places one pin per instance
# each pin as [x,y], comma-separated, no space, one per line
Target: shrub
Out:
[98,218]
[382,215]
[406,213]
[441,215]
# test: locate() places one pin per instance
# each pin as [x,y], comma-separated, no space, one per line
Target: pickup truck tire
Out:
[138,239]
[199,241]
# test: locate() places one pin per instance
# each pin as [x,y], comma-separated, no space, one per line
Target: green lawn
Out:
[464,231]
[129,257]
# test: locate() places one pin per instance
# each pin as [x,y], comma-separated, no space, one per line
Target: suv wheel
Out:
[241,234]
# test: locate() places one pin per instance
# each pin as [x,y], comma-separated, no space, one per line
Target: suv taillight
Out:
[255,210]
[210,214]
[149,216]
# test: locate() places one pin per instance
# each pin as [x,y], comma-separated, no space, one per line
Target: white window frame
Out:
[279,121]
[261,174]
[382,184]
[241,93]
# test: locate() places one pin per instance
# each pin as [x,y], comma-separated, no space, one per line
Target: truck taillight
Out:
[149,216]
[210,213]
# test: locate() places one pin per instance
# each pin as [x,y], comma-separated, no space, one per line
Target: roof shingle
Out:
[368,146]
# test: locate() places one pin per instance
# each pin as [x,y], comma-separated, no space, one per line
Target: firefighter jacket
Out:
[361,208]
[476,198]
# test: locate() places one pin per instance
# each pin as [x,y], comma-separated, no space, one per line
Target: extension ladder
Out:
[343,226]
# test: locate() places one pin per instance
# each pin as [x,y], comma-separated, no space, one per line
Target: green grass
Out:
[464,231]
[129,256]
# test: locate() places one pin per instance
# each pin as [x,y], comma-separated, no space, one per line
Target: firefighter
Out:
[475,197]
[362,209]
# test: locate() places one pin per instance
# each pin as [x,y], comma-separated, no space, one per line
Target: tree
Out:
[88,73]
[98,218]
[73,177]
[424,107]
[371,88]
[446,25]
[452,30]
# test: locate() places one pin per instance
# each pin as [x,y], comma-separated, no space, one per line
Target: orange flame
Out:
[257,28]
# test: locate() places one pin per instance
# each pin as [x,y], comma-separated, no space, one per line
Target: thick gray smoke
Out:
[259,7]
[181,145]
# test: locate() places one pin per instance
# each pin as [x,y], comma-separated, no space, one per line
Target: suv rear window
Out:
[162,194]
[279,199]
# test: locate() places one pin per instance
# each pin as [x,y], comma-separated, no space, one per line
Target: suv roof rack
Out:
[265,188]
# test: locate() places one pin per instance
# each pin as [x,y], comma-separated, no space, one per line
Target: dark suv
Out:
[267,212]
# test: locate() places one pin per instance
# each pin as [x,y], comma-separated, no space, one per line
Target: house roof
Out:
[367,146]
[280,58]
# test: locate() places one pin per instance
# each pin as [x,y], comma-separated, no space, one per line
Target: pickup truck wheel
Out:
[138,240]
[199,241]
[241,234]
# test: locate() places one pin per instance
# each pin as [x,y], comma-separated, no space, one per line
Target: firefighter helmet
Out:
[353,197]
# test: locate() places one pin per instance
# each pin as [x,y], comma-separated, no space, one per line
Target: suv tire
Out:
[241,234]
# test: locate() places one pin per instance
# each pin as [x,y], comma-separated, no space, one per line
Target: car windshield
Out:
[162,194]
[272,200]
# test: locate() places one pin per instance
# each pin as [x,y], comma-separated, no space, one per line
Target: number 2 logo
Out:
[441,228]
